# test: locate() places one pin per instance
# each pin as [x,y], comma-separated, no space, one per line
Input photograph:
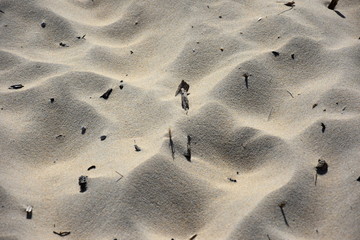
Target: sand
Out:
[273,89]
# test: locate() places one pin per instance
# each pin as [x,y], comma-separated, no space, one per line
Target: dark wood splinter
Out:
[333,4]
[83,183]
[61,234]
[188,153]
[171,144]
[281,206]
[106,94]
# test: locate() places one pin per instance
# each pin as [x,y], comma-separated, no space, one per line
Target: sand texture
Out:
[87,88]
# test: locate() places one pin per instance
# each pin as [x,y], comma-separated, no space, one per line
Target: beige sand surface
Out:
[297,107]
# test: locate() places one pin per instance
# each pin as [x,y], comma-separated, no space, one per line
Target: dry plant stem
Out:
[184,100]
[290,93]
[333,4]
[315,179]
[188,154]
[171,145]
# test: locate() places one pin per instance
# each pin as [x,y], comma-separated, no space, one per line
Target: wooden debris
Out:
[276,54]
[83,183]
[184,100]
[2,11]
[321,167]
[106,94]
[323,127]
[193,237]
[137,148]
[92,167]
[282,205]
[83,37]
[333,4]
[16,86]
[183,85]
[290,4]
[314,106]
[60,136]
[315,178]
[83,130]
[62,234]
[290,93]
[29,212]
[188,153]
[232,180]
[246,76]
[171,144]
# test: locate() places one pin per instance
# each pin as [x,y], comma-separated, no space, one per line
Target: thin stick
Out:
[188,154]
[333,4]
[171,143]
[290,93]
[315,181]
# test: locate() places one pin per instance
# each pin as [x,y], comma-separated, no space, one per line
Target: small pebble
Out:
[43,25]
[103,137]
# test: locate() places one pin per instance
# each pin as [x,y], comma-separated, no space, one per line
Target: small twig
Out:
[333,4]
[323,127]
[315,181]
[282,205]
[193,237]
[188,154]
[171,144]
[61,234]
[184,100]
[246,76]
[290,93]
[106,94]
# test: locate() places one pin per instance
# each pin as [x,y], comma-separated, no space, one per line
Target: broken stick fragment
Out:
[83,183]
[188,153]
[184,100]
[183,85]
[29,212]
[333,4]
[61,234]
[171,144]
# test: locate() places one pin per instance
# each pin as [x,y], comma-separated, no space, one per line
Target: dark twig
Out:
[333,4]
[193,237]
[282,205]
[323,127]
[246,76]
[16,86]
[188,154]
[61,234]
[290,93]
[106,94]
[171,144]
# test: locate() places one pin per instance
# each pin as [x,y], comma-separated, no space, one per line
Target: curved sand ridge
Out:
[258,120]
